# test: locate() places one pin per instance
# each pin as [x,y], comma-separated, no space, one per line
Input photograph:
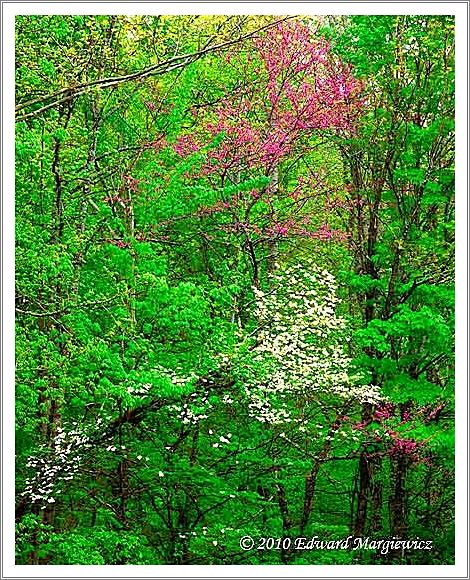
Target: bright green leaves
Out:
[99,547]
[410,175]
[372,337]
[408,347]
[401,388]
[423,327]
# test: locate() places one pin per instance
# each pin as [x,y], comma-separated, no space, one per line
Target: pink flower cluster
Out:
[337,203]
[325,233]
[434,414]
[404,447]
[157,144]
[384,411]
[291,227]
[305,90]
[361,425]
[185,145]
[119,243]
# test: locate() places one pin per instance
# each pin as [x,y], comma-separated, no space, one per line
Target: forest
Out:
[234,289]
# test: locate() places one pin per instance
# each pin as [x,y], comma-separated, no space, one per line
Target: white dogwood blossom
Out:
[300,349]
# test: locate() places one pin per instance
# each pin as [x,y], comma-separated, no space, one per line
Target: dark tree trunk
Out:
[398,500]
[363,495]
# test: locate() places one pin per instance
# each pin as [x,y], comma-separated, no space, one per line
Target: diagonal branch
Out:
[92,304]
[176,62]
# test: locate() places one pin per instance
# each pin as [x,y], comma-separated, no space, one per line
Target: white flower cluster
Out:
[300,348]
[194,411]
[140,390]
[59,464]
[261,407]
[187,415]
[175,376]
[222,439]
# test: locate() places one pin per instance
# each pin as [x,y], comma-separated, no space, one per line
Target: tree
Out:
[400,195]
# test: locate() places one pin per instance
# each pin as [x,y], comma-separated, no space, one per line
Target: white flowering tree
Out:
[300,348]
[300,384]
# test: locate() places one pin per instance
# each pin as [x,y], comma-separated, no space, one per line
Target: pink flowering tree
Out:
[249,148]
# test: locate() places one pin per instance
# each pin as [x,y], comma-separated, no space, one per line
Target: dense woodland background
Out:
[234,287]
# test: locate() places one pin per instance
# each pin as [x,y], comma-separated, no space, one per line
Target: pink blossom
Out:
[403,447]
[337,203]
[435,412]
[383,412]
[185,145]
[305,89]
[361,425]
[119,243]
[405,416]
[281,230]
[325,233]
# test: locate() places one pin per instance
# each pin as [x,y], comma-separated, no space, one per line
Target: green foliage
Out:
[187,374]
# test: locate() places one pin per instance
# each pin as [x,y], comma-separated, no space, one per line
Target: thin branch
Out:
[67,308]
[169,65]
